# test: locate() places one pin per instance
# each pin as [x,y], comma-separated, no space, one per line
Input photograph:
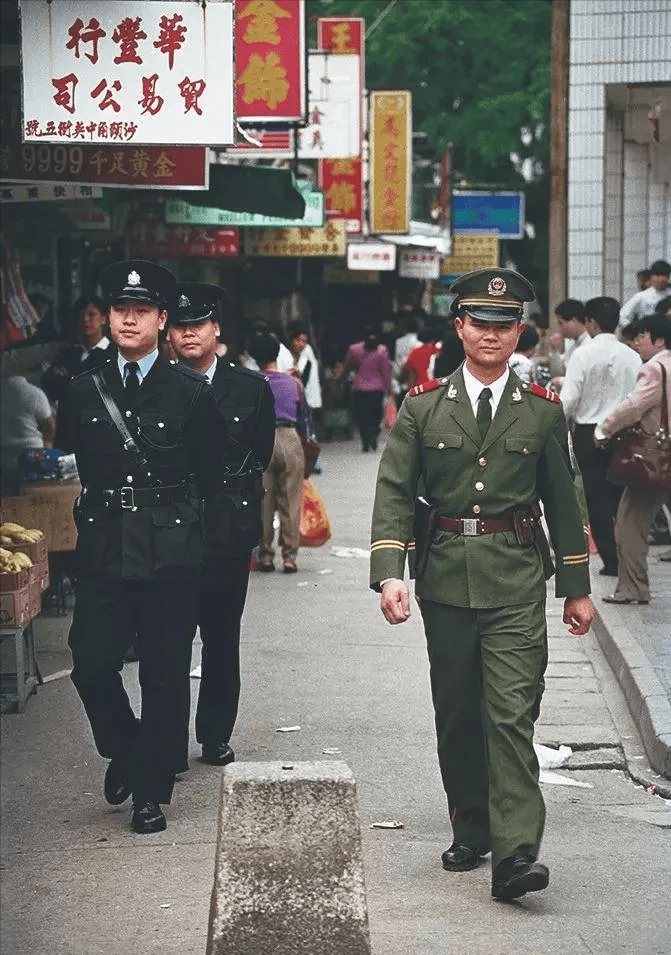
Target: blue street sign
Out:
[495,213]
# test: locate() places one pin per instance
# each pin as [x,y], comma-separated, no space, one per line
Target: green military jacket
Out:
[436,450]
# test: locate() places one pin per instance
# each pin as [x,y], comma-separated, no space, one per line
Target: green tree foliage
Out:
[479,72]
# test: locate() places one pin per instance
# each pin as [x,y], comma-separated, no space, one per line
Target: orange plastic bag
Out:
[314,525]
[390,413]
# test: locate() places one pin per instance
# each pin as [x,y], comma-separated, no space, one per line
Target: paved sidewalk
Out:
[317,654]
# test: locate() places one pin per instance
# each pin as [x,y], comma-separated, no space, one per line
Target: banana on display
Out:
[16,534]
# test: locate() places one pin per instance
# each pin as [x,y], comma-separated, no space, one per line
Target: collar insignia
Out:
[517,395]
[133,278]
[497,286]
[452,391]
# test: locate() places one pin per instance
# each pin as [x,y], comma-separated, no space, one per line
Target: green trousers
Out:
[486,667]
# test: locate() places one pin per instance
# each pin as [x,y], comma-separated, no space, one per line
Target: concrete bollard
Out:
[288,874]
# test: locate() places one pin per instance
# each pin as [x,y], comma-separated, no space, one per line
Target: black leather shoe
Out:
[461,858]
[147,817]
[518,875]
[116,788]
[217,754]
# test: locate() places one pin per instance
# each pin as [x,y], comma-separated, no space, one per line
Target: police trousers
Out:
[159,619]
[486,666]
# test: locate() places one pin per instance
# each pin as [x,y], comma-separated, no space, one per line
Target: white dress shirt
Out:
[641,304]
[474,387]
[598,376]
[103,345]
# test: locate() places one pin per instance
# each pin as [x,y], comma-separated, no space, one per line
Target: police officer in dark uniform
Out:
[483,449]
[242,444]
[139,429]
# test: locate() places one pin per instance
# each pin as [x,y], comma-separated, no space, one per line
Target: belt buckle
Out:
[127,497]
[469,526]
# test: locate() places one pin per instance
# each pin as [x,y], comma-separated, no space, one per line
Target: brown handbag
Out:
[642,460]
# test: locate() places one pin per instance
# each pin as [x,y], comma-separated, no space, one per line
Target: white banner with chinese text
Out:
[144,72]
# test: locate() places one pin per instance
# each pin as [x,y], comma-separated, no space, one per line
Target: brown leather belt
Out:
[473,527]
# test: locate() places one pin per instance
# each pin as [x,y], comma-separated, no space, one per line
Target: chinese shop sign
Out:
[334,117]
[380,256]
[327,241]
[341,34]
[145,72]
[470,252]
[342,184]
[152,237]
[42,193]
[161,167]
[270,54]
[183,213]
[418,264]
[390,158]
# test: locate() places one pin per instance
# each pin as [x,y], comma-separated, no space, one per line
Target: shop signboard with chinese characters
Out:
[140,71]
[334,117]
[48,191]
[178,212]
[390,161]
[501,213]
[341,180]
[153,238]
[469,252]
[270,61]
[418,264]
[380,256]
[341,34]
[151,167]
[327,241]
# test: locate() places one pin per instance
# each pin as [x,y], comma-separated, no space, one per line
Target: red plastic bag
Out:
[314,525]
[390,413]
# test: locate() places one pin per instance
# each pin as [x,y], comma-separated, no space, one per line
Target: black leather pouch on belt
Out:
[523,526]
[426,517]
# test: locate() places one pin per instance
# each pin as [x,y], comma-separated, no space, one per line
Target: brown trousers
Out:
[282,483]
[634,519]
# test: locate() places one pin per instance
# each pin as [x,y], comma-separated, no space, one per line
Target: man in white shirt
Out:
[643,303]
[570,315]
[598,376]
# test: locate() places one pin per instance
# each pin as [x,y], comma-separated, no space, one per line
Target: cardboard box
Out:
[36,551]
[35,598]
[15,581]
[15,607]
[40,572]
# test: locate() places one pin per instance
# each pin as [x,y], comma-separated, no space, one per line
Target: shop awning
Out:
[263,189]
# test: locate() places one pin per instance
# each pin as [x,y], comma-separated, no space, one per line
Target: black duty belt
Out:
[284,423]
[128,498]
[474,527]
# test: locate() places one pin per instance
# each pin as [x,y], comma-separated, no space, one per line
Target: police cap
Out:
[492,295]
[135,280]
[197,302]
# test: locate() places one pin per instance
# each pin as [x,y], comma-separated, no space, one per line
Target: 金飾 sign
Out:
[152,237]
[380,256]
[161,167]
[270,53]
[145,72]
[327,241]
[343,187]
[390,161]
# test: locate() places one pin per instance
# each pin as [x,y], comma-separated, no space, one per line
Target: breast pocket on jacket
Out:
[522,455]
[177,536]
[98,434]
[161,431]
[442,451]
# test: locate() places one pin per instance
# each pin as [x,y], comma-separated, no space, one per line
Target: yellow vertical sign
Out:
[390,160]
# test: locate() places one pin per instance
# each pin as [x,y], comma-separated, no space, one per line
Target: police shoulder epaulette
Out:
[249,372]
[543,392]
[429,386]
[89,371]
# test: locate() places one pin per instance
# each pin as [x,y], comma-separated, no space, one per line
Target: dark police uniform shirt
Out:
[243,435]
[435,449]
[170,423]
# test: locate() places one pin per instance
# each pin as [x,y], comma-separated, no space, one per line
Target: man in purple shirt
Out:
[283,478]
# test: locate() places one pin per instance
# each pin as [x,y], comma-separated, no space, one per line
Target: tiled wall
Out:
[618,218]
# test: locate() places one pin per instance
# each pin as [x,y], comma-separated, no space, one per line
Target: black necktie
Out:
[484,415]
[132,382]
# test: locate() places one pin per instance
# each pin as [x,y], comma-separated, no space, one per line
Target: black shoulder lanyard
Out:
[129,442]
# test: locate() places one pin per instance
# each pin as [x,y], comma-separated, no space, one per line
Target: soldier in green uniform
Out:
[482,449]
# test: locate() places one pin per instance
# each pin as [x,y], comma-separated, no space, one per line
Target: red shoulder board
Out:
[544,393]
[429,386]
